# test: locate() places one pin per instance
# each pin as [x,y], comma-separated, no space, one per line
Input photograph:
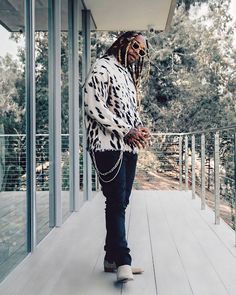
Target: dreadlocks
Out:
[120,50]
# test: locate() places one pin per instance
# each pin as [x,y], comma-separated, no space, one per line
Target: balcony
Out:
[180,225]
[181,220]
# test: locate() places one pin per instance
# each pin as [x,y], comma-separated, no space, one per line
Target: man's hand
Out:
[138,137]
[146,133]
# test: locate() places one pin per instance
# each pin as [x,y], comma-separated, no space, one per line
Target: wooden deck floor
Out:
[177,244]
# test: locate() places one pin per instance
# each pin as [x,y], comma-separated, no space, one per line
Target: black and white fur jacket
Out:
[110,106]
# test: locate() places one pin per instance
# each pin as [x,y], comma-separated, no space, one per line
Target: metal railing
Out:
[201,161]
[158,165]
[13,163]
[209,169]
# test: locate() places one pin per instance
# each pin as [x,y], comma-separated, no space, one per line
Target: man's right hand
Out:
[137,137]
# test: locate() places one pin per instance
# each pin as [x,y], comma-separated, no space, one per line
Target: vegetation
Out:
[191,86]
[192,74]
[192,79]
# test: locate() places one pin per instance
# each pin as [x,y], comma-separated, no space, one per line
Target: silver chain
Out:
[118,163]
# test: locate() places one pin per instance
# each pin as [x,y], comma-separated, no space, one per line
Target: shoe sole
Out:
[124,280]
[134,270]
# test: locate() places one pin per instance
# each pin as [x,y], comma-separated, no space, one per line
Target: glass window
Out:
[13,240]
[65,155]
[42,118]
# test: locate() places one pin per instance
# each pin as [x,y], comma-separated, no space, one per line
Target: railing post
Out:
[180,162]
[235,184]
[97,182]
[193,167]
[217,178]
[186,162]
[203,191]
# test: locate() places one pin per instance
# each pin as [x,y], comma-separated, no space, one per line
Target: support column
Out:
[87,165]
[30,124]
[75,203]
[54,52]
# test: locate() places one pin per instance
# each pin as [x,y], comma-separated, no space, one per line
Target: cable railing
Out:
[13,162]
[202,161]
[161,158]
[209,169]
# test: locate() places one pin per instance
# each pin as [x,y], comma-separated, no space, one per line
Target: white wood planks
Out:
[139,243]
[171,276]
[178,245]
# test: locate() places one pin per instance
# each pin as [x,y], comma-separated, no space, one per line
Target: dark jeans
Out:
[117,193]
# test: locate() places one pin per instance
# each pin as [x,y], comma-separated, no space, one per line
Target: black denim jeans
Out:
[117,193]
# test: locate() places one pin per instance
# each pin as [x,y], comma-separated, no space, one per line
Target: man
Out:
[114,135]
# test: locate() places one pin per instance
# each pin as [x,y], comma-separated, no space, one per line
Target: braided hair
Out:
[120,50]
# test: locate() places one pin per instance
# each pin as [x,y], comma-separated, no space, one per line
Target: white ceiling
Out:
[12,14]
[131,14]
[114,15]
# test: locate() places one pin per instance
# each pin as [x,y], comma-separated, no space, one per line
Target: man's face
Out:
[137,48]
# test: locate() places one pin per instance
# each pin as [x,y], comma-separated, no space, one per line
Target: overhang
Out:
[109,15]
[12,15]
[122,15]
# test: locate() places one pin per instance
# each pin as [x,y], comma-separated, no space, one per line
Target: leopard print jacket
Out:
[110,106]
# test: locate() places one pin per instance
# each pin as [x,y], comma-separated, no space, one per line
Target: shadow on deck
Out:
[180,248]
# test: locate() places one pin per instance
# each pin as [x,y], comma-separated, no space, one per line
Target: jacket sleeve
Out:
[95,98]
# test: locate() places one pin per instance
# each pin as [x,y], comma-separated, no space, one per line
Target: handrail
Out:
[38,134]
[195,132]
[209,130]
[153,133]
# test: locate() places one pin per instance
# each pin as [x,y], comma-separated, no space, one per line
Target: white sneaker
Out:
[124,274]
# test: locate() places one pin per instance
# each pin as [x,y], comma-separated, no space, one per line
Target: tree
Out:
[187,3]
[10,73]
[190,69]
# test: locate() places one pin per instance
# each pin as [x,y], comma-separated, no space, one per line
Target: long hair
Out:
[120,50]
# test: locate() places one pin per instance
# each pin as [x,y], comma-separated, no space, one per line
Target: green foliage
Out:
[187,3]
[192,82]
[10,74]
[192,76]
